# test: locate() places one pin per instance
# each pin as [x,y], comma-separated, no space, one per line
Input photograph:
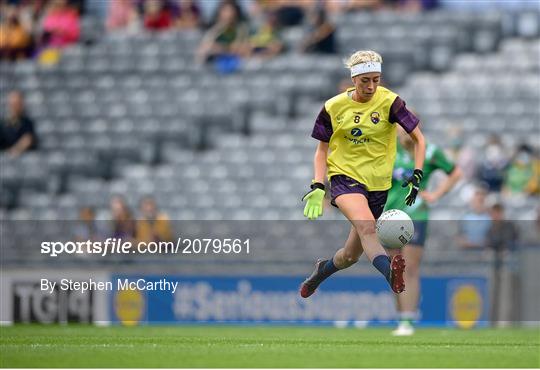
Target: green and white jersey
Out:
[403,168]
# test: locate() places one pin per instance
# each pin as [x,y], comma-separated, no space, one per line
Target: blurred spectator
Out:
[462,153]
[123,224]
[156,16]
[493,165]
[475,223]
[225,41]
[17,133]
[123,16]
[346,6]
[466,160]
[30,14]
[523,175]
[531,231]
[242,17]
[88,228]
[15,39]
[502,237]
[61,25]
[152,225]
[186,14]
[321,34]
[78,5]
[502,234]
[533,187]
[265,42]
[288,12]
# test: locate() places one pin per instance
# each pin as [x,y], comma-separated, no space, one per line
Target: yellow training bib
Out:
[363,143]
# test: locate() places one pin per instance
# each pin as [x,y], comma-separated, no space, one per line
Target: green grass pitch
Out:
[247,346]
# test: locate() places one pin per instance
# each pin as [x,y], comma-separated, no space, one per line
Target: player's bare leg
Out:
[407,302]
[351,251]
[356,208]
[344,257]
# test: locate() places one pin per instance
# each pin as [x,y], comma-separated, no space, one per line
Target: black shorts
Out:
[420,234]
[341,184]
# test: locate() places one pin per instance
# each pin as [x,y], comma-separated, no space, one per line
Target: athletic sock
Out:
[382,263]
[407,317]
[327,268]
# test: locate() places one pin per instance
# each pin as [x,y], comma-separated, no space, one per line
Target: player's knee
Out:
[365,227]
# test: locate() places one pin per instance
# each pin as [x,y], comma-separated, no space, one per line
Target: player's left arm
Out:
[408,120]
[400,114]
[419,147]
[413,182]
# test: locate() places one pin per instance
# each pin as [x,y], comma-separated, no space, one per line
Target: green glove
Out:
[314,205]
[413,183]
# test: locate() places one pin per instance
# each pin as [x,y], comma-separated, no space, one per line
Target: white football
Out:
[394,228]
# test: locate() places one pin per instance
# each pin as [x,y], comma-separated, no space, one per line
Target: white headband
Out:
[365,67]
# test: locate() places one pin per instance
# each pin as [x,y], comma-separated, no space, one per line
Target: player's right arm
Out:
[319,162]
[315,197]
[322,131]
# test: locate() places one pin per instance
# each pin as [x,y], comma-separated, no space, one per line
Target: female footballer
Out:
[357,147]
[407,303]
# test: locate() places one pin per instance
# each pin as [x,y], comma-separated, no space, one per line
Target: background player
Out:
[358,127]
[407,302]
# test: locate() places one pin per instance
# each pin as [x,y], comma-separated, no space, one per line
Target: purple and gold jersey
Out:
[362,136]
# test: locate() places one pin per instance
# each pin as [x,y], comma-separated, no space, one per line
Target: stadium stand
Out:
[134,115]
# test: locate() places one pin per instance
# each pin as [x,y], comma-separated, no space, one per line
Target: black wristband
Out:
[317,185]
[419,172]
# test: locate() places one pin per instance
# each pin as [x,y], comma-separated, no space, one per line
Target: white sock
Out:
[409,316]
